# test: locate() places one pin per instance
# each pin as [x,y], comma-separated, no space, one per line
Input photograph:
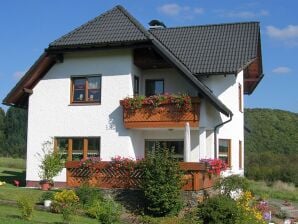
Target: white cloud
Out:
[289,34]
[18,75]
[290,31]
[173,9]
[198,10]
[281,70]
[242,14]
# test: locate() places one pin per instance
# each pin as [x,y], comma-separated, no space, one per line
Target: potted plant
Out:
[51,165]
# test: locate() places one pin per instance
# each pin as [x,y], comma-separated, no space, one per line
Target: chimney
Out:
[156,24]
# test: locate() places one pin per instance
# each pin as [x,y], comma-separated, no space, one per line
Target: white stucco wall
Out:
[226,89]
[51,115]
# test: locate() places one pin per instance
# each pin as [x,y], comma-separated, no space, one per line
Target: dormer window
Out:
[86,89]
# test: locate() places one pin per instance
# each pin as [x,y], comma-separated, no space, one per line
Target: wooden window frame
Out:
[136,89]
[240,98]
[85,101]
[155,80]
[229,153]
[240,155]
[70,145]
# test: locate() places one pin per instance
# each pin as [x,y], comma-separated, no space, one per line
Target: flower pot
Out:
[47,203]
[45,186]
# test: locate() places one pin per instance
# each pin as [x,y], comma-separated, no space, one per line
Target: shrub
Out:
[51,162]
[48,195]
[161,182]
[106,211]
[219,210]
[231,185]
[87,195]
[26,205]
[66,202]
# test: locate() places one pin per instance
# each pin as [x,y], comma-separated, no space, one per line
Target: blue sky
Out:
[27,27]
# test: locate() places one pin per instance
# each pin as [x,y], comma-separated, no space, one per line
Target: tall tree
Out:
[2,135]
[15,132]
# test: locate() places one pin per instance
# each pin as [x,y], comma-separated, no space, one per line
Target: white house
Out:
[73,91]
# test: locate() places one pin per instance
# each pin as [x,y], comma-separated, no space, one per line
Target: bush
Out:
[219,210]
[231,185]
[52,162]
[161,182]
[26,205]
[66,202]
[48,195]
[106,211]
[88,195]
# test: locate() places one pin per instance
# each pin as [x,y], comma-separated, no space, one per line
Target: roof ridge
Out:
[85,24]
[205,25]
[134,21]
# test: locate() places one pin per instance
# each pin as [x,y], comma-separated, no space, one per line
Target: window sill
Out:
[85,104]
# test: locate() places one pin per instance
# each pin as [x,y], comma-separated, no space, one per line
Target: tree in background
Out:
[2,135]
[15,131]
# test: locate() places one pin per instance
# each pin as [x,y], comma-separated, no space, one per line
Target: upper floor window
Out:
[136,86]
[154,87]
[86,89]
[224,149]
[240,97]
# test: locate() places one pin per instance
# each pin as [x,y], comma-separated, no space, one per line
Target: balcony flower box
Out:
[163,111]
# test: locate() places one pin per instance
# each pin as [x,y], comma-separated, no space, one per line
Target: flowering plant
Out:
[119,162]
[90,161]
[215,166]
[181,101]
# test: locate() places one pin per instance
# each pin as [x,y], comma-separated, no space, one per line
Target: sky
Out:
[27,27]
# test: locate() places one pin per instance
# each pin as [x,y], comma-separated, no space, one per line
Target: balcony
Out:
[166,111]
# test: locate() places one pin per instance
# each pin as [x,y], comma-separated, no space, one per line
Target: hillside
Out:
[271,146]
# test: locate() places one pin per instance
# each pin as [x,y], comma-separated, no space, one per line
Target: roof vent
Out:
[156,24]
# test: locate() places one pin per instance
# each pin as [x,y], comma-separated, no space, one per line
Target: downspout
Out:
[215,135]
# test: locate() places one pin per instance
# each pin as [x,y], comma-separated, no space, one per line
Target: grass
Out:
[278,190]
[10,214]
[17,163]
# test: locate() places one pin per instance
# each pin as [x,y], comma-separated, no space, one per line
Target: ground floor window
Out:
[176,145]
[224,149]
[77,148]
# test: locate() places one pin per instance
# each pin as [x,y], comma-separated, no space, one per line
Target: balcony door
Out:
[154,87]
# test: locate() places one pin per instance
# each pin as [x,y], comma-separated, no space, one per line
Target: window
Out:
[86,89]
[240,155]
[224,150]
[176,145]
[136,86]
[154,87]
[240,97]
[77,148]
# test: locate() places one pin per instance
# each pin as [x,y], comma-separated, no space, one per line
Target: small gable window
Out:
[86,89]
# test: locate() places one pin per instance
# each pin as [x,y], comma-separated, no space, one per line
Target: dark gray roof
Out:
[112,27]
[209,49]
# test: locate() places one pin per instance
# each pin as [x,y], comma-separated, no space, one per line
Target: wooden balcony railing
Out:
[164,116]
[103,175]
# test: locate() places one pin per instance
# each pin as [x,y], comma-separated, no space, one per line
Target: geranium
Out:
[215,166]
[181,101]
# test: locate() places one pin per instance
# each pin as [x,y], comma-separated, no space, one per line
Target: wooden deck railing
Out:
[165,116]
[103,175]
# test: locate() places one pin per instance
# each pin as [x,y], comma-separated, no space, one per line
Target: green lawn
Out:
[17,163]
[281,191]
[11,192]
[10,214]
